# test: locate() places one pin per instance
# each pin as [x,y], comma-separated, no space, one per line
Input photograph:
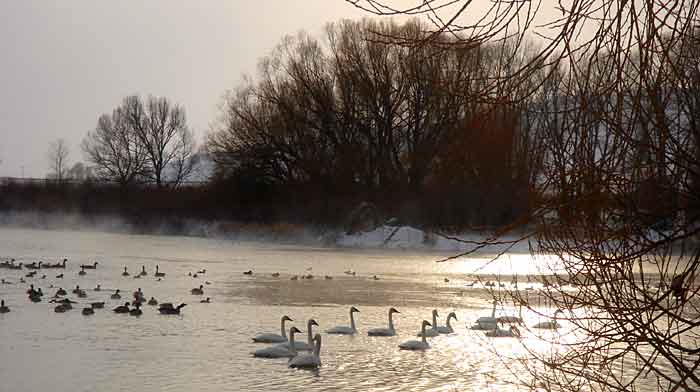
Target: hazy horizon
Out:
[68,62]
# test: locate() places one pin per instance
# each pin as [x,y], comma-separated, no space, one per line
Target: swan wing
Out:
[381,332]
[341,330]
[273,352]
[269,338]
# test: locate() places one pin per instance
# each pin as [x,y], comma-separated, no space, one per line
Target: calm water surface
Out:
[208,347]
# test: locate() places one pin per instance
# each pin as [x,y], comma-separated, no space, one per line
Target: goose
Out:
[62,308]
[198,291]
[136,311]
[97,305]
[417,344]
[143,271]
[163,309]
[280,350]
[60,292]
[30,274]
[88,311]
[152,302]
[89,266]
[249,272]
[76,290]
[63,301]
[122,308]
[3,308]
[82,272]
[116,295]
[343,330]
[59,276]
[295,277]
[98,288]
[512,332]
[125,273]
[3,281]
[432,332]
[205,301]
[203,271]
[390,331]
[275,274]
[447,328]
[303,346]
[308,361]
[551,324]
[158,273]
[271,337]
[194,276]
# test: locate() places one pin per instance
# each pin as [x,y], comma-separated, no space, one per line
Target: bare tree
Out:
[618,206]
[161,129]
[114,148]
[58,159]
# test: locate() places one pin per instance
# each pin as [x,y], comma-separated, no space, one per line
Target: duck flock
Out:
[62,303]
[284,344]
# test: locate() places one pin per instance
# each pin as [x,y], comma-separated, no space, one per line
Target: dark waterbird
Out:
[122,308]
[3,307]
[167,308]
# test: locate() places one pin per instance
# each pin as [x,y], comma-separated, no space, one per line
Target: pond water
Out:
[208,347]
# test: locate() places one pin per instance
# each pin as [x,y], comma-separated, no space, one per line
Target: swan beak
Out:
[287,318]
[313,322]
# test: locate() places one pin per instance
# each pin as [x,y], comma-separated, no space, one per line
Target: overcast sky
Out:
[63,63]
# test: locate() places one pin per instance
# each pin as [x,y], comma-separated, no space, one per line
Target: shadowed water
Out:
[208,347]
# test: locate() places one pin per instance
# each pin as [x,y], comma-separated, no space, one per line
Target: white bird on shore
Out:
[417,344]
[343,330]
[271,337]
[390,331]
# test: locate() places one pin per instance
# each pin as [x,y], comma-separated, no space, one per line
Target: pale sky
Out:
[65,62]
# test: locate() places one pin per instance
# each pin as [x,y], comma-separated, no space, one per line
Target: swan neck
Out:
[435,320]
[310,338]
[352,321]
[422,330]
[391,321]
[493,311]
[292,349]
[449,318]
[283,332]
[317,348]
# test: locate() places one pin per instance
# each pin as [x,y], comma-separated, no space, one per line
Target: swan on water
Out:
[486,323]
[308,361]
[280,350]
[343,330]
[448,327]
[513,319]
[551,324]
[417,344]
[512,332]
[198,290]
[303,346]
[271,337]
[390,331]
[432,332]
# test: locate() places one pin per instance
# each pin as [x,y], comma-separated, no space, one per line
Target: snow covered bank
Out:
[406,237]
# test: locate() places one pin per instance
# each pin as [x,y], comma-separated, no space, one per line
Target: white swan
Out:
[513,319]
[513,332]
[271,337]
[280,350]
[343,330]
[432,332]
[551,324]
[447,328]
[303,346]
[390,331]
[486,323]
[417,344]
[308,361]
